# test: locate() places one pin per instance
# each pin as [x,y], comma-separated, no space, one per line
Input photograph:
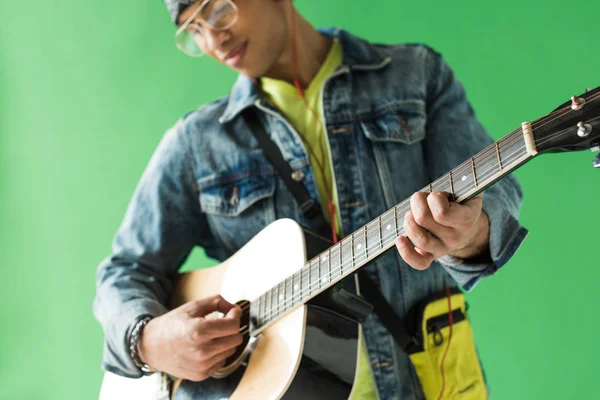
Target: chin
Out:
[256,64]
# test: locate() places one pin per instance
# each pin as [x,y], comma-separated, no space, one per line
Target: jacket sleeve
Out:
[454,135]
[162,224]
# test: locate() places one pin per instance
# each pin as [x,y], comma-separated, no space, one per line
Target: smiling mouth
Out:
[235,56]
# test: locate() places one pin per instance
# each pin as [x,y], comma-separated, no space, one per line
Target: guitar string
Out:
[550,137]
[275,311]
[493,149]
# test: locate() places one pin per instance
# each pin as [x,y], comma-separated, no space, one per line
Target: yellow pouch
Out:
[462,370]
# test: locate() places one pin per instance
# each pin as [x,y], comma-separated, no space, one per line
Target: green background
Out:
[88,88]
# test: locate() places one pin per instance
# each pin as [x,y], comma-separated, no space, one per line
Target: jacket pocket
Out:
[233,197]
[402,122]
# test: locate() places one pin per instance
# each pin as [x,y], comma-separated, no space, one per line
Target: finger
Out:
[421,237]
[203,307]
[423,216]
[451,214]
[207,367]
[234,313]
[218,365]
[412,257]
[223,344]
[216,328]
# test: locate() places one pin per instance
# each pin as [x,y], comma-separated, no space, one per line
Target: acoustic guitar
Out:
[301,319]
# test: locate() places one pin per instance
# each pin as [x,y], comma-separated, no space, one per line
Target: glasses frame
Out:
[192,19]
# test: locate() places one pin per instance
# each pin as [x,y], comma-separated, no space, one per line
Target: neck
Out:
[311,49]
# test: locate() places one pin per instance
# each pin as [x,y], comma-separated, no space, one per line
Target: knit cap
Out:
[176,7]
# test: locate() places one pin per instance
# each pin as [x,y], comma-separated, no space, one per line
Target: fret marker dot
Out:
[358,246]
[296,286]
[324,280]
[388,227]
[464,178]
[280,297]
[324,258]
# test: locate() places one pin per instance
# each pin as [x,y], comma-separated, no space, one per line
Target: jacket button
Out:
[297,176]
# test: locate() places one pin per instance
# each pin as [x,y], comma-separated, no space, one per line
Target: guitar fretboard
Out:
[376,237]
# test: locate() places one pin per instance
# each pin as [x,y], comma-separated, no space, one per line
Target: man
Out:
[365,126]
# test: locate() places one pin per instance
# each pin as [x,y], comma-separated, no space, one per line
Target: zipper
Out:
[435,324]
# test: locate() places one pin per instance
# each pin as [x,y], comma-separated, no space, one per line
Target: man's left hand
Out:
[437,226]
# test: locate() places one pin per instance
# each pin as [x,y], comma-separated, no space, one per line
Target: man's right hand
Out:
[185,344]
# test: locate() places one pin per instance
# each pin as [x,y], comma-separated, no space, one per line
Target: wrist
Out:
[135,344]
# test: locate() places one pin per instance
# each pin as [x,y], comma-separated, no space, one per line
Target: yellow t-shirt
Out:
[310,128]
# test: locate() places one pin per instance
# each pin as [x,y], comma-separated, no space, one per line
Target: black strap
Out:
[312,211]
[309,207]
[385,312]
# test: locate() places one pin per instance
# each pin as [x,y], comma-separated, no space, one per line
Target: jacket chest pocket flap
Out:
[231,197]
[402,122]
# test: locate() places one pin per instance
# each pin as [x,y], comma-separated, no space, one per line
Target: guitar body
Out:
[309,353]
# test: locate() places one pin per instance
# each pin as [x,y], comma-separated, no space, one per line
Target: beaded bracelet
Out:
[133,344]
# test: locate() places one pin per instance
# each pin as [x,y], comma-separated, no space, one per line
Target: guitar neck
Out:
[367,243]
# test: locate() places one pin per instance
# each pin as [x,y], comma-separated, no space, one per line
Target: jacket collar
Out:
[358,55]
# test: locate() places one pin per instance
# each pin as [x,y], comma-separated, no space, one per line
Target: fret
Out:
[258,311]
[499,156]
[281,297]
[294,289]
[352,250]
[512,149]
[303,283]
[277,311]
[486,163]
[261,310]
[396,221]
[347,253]
[405,205]
[273,306]
[373,229]
[321,258]
[289,286]
[462,183]
[474,173]
[441,184]
[314,281]
[308,285]
[268,311]
[358,248]
[430,188]
[366,243]
[380,234]
[335,258]
[451,184]
[316,266]
[327,277]
[387,226]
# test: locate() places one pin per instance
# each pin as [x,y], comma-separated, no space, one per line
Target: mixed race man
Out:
[366,125]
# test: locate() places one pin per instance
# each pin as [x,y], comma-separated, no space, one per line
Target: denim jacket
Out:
[396,118]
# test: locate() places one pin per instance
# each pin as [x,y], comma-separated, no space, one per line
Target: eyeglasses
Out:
[210,14]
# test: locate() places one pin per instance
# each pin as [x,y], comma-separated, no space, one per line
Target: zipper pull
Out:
[438,338]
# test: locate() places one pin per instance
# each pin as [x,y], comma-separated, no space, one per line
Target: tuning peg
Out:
[583,129]
[597,161]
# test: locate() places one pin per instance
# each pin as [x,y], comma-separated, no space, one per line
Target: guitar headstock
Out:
[573,126]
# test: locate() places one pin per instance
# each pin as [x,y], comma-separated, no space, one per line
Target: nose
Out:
[215,38]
